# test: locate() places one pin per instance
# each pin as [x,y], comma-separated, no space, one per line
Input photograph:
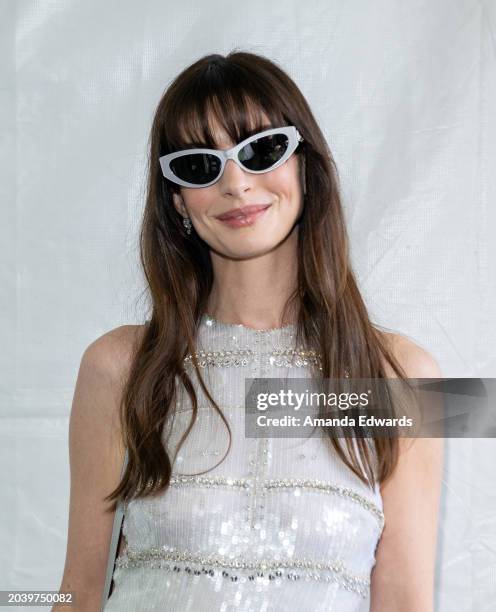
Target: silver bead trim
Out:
[285,483]
[294,358]
[243,357]
[280,357]
[245,568]
[326,487]
[210,481]
[239,357]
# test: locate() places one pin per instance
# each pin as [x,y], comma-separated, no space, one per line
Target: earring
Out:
[187,224]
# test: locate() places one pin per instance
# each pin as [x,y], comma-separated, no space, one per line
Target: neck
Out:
[253,291]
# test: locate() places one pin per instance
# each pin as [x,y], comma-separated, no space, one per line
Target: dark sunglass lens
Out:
[264,152]
[196,168]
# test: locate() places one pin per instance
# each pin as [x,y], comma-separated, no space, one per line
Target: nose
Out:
[234,181]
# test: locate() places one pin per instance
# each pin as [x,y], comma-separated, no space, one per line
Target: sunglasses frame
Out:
[294,138]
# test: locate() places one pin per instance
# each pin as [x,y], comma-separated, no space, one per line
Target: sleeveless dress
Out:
[280,525]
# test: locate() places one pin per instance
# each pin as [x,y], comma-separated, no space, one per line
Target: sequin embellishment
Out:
[243,357]
[292,358]
[326,487]
[284,483]
[284,358]
[262,521]
[209,481]
[244,568]
[227,358]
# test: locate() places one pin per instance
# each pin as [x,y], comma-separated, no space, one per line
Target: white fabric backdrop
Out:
[403,92]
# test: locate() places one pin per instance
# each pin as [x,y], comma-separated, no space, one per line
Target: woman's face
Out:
[281,188]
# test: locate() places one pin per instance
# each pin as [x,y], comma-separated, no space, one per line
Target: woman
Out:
[246,258]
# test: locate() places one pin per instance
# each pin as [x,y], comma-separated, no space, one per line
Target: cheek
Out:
[199,201]
[284,180]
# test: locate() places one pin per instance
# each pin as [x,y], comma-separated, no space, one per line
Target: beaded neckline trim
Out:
[245,568]
[242,357]
[279,357]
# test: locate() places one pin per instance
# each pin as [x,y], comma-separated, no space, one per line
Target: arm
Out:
[403,577]
[96,455]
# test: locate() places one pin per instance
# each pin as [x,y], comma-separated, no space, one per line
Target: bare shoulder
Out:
[102,375]
[101,378]
[118,343]
[112,352]
[416,361]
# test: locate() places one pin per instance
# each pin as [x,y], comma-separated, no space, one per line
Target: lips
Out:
[239,213]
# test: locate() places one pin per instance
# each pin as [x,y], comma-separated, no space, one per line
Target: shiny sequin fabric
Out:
[279,525]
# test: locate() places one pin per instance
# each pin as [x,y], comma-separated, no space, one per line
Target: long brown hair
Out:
[332,318]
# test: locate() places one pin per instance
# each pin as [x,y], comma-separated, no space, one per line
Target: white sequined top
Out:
[280,525]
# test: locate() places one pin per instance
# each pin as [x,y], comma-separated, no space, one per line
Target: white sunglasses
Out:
[257,154]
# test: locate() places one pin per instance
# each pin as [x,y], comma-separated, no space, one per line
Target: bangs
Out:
[220,98]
